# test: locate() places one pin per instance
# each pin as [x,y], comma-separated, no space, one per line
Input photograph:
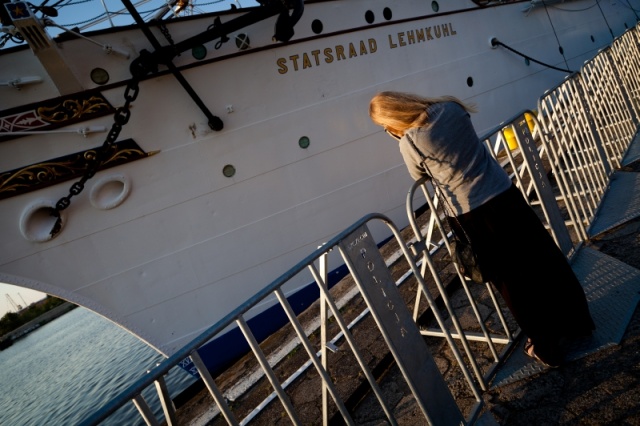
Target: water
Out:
[65,370]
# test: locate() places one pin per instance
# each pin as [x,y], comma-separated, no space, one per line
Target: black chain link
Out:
[120,118]
[165,32]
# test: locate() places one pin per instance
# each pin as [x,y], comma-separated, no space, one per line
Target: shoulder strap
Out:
[438,189]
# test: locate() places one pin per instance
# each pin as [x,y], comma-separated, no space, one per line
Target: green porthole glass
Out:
[229,170]
[304,142]
[199,52]
[435,6]
[99,76]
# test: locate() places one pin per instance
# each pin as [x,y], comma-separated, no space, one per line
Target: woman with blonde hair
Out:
[437,139]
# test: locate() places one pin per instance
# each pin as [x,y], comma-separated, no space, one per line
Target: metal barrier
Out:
[609,105]
[625,52]
[588,123]
[401,335]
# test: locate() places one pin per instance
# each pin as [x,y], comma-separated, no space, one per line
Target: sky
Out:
[76,13]
[19,295]
[81,13]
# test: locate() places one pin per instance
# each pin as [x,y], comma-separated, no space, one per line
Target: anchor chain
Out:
[167,35]
[120,118]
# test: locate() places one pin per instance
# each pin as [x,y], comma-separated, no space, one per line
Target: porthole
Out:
[469,81]
[199,52]
[369,17]
[316,26]
[435,6]
[561,50]
[304,142]
[99,76]
[593,39]
[37,222]
[110,191]
[243,42]
[229,170]
[527,62]
[387,14]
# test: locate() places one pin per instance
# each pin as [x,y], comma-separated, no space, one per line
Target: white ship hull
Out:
[188,244]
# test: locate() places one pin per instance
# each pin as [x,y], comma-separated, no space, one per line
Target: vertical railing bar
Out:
[323,336]
[418,234]
[416,304]
[266,368]
[561,129]
[445,298]
[432,222]
[516,168]
[436,314]
[503,321]
[595,151]
[213,388]
[563,183]
[588,178]
[605,114]
[608,110]
[627,108]
[628,69]
[145,411]
[351,342]
[166,402]
[312,355]
[532,188]
[434,308]
[623,105]
[587,131]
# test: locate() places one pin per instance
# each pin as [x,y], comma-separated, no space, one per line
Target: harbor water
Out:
[66,369]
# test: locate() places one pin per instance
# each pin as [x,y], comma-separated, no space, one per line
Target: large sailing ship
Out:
[162,172]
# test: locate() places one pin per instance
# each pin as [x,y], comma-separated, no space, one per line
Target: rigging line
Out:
[634,10]
[555,33]
[75,3]
[496,42]
[605,19]
[556,7]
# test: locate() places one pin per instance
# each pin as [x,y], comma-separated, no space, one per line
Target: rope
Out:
[555,33]
[147,12]
[496,42]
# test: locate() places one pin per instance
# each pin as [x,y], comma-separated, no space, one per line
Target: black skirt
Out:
[521,259]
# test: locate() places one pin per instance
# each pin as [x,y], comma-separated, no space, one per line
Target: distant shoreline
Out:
[8,339]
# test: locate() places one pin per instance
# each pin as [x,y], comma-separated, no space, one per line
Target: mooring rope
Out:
[496,42]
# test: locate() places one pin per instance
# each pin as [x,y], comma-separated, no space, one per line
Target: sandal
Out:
[528,350]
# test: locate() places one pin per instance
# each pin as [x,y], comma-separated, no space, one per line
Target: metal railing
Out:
[588,123]
[401,335]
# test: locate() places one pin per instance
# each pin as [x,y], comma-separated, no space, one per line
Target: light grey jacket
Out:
[461,165]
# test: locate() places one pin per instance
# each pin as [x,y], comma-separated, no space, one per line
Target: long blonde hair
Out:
[397,111]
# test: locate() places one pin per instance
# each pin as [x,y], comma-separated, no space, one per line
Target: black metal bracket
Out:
[148,62]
